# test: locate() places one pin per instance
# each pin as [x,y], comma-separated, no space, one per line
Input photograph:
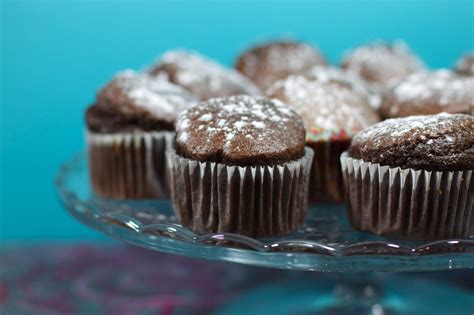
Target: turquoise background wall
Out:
[55,54]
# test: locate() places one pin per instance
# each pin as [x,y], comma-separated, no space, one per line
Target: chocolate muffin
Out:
[382,64]
[465,64]
[129,129]
[412,177]
[240,166]
[201,75]
[332,114]
[348,79]
[268,63]
[426,93]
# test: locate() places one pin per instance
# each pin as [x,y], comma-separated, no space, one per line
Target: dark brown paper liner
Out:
[129,165]
[326,183]
[255,201]
[408,203]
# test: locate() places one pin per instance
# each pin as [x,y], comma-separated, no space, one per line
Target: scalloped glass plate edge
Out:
[354,259]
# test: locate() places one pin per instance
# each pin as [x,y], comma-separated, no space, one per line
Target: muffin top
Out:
[381,63]
[427,93]
[325,106]
[348,78]
[201,75]
[273,61]
[465,64]
[240,130]
[134,101]
[443,142]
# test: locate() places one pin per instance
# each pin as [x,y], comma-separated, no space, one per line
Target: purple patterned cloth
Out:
[121,280]
[111,279]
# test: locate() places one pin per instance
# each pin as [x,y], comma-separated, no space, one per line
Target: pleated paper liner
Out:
[408,203]
[129,165]
[256,201]
[326,183]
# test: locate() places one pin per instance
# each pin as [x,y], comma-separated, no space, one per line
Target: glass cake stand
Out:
[326,242]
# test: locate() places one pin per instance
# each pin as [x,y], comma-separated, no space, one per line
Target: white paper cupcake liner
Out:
[129,165]
[408,203]
[256,201]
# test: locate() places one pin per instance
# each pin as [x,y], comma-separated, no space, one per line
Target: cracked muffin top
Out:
[428,93]
[324,105]
[382,63]
[135,101]
[442,142]
[240,130]
[202,76]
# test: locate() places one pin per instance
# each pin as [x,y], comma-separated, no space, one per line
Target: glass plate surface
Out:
[325,243]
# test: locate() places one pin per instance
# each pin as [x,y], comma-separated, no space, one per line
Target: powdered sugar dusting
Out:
[442,85]
[183,137]
[421,127]
[240,123]
[383,63]
[324,105]
[352,80]
[159,97]
[294,57]
[428,142]
[206,117]
[204,76]
[258,124]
